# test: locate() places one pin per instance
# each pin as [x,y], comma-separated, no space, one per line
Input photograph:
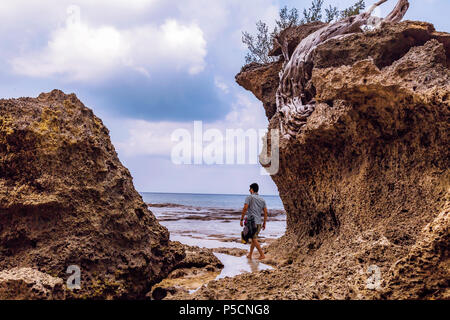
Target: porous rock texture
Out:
[199,266]
[30,284]
[65,199]
[365,179]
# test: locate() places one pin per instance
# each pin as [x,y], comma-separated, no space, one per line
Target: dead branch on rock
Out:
[294,103]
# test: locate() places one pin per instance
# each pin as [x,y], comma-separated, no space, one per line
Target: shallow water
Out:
[234,266]
[215,227]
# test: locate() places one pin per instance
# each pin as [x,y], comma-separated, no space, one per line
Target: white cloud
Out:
[219,83]
[142,35]
[80,51]
[154,138]
[148,138]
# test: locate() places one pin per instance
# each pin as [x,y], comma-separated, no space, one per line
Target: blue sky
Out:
[149,67]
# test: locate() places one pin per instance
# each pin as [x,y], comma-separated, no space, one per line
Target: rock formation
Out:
[198,267]
[364,177]
[65,199]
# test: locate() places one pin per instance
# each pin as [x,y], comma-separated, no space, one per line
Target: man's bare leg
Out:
[255,243]
[252,247]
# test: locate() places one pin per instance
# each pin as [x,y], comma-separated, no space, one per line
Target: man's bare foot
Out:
[249,257]
[261,257]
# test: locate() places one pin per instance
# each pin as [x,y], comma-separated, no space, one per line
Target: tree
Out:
[287,18]
[258,47]
[260,44]
[314,13]
[332,13]
[353,10]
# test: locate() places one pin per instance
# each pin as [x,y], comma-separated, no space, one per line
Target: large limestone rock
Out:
[365,178]
[65,199]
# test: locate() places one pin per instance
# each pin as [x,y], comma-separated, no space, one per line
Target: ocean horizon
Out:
[208,200]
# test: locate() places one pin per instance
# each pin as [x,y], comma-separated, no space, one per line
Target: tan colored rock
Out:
[425,271]
[65,199]
[198,268]
[365,176]
[30,284]
[292,37]
[263,82]
[199,258]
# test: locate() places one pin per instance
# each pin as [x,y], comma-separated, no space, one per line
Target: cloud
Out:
[154,138]
[147,148]
[219,83]
[81,52]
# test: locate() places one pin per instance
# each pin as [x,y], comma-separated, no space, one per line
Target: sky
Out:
[150,67]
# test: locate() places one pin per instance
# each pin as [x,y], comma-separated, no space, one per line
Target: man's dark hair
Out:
[254,187]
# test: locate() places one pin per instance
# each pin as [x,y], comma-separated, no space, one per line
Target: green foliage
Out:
[332,13]
[260,45]
[314,13]
[355,9]
[287,18]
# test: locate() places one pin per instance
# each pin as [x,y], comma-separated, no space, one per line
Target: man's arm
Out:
[265,218]
[244,211]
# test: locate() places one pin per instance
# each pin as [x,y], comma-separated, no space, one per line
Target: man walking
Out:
[254,206]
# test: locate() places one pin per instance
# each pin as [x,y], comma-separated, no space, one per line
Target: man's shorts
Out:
[258,229]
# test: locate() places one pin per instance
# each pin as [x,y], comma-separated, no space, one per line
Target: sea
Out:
[229,201]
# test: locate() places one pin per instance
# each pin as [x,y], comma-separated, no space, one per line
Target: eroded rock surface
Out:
[365,177]
[199,266]
[30,284]
[65,199]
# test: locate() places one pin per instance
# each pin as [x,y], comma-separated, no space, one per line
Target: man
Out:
[254,206]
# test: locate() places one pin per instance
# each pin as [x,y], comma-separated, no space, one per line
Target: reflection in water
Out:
[234,266]
[237,265]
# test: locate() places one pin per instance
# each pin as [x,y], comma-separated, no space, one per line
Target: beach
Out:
[212,222]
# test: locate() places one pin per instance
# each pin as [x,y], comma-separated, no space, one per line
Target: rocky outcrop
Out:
[197,257]
[198,267]
[65,199]
[30,284]
[364,178]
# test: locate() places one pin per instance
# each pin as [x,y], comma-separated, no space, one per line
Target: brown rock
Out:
[384,45]
[231,251]
[293,35]
[425,271]
[365,179]
[30,284]
[65,199]
[262,80]
[197,257]
[198,267]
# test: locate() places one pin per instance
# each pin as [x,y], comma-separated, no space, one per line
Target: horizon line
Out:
[199,193]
